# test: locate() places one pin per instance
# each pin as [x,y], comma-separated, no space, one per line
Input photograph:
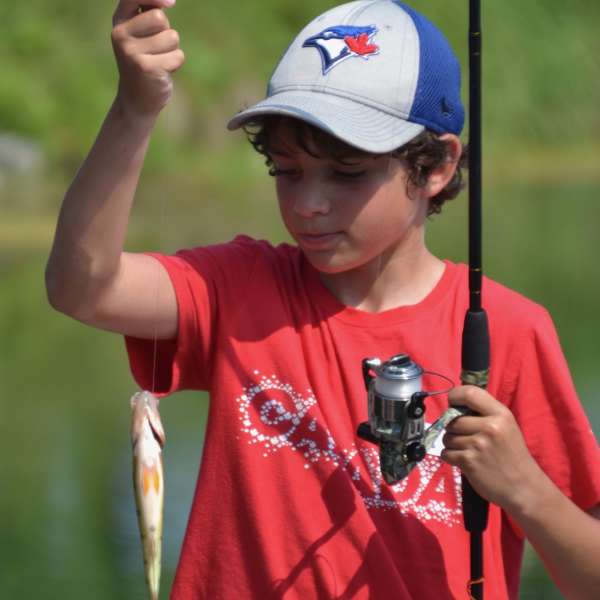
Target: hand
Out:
[147,52]
[489,449]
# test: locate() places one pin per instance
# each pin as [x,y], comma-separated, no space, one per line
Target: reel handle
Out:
[364,432]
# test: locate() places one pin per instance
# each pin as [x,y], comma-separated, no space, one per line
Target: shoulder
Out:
[504,305]
[511,308]
[240,256]
[513,318]
[525,331]
[523,339]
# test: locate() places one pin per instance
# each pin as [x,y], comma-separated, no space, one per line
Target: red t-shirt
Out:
[290,503]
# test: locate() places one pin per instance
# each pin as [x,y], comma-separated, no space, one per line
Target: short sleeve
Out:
[205,281]
[554,424]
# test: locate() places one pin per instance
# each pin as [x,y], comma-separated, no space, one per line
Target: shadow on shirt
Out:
[382,574]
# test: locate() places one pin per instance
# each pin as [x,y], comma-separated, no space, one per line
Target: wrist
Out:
[132,118]
[532,496]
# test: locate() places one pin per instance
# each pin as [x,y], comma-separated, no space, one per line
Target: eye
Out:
[349,174]
[276,172]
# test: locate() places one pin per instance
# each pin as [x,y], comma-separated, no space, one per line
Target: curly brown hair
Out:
[421,156]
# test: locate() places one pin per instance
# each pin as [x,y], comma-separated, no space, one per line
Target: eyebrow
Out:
[349,160]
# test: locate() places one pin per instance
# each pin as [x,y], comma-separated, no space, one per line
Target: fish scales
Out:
[148,439]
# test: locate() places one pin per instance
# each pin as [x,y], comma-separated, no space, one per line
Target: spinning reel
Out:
[396,411]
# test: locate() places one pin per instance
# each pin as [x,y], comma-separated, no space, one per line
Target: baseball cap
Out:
[373,73]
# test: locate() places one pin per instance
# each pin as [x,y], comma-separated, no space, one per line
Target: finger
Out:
[161,43]
[466,425]
[476,399]
[456,458]
[148,23]
[127,9]
[173,60]
[170,61]
[142,25]
[455,442]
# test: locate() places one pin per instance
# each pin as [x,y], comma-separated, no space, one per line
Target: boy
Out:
[360,129]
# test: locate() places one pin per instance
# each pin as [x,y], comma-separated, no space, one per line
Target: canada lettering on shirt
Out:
[277,418]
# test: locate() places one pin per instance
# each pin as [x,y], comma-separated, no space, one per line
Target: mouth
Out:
[318,241]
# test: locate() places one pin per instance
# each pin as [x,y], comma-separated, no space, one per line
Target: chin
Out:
[329,264]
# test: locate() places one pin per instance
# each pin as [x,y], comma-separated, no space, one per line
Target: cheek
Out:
[384,211]
[287,216]
[282,197]
[386,219]
[284,208]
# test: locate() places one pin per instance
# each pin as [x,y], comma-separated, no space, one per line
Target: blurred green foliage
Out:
[541,66]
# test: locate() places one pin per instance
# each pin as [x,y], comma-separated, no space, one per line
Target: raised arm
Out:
[88,275]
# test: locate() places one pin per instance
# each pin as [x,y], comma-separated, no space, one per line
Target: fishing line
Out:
[156,305]
[161,223]
[389,176]
[161,244]
[147,433]
[379,269]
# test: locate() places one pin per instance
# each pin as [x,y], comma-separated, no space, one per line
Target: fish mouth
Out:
[145,411]
[159,434]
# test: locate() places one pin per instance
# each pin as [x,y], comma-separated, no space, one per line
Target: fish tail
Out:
[152,566]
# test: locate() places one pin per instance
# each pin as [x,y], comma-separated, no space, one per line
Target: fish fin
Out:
[150,479]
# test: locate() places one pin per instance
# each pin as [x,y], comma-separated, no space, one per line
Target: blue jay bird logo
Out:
[336,44]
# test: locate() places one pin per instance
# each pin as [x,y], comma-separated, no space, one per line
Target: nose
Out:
[310,197]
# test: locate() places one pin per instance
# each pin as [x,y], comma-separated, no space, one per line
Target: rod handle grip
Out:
[475,347]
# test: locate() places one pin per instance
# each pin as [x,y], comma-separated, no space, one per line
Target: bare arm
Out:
[88,276]
[490,450]
[566,538]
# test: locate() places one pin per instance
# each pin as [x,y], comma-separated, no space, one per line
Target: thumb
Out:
[127,9]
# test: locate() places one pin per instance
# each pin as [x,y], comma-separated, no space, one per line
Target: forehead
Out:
[291,136]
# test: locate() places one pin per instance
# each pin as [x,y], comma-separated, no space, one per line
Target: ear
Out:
[440,176]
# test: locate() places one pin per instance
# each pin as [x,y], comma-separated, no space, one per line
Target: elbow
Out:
[57,291]
[77,284]
[52,287]
[80,295]
[68,296]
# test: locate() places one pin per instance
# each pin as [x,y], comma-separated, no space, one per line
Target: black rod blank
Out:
[475,341]
[475,177]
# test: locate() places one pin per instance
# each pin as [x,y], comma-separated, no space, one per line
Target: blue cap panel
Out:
[437,104]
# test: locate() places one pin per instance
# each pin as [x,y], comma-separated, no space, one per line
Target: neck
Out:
[390,280]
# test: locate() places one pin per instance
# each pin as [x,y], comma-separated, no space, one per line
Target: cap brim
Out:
[364,127]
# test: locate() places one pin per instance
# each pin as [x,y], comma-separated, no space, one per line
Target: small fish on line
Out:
[147,440]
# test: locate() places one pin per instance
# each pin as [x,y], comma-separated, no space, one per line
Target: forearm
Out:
[566,538]
[490,450]
[93,219]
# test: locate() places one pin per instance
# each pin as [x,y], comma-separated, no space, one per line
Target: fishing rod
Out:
[475,338]
[395,396]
